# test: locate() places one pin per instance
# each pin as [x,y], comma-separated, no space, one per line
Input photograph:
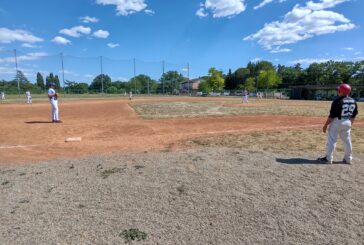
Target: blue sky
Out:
[203,33]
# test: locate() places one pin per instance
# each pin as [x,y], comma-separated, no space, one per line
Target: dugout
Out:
[322,92]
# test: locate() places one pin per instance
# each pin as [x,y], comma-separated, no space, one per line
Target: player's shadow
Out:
[297,161]
[32,122]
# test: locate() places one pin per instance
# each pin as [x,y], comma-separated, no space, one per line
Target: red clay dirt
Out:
[113,126]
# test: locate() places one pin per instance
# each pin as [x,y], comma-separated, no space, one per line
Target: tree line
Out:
[260,75]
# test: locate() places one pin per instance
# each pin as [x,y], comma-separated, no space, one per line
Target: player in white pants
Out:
[28,97]
[342,115]
[245,96]
[53,99]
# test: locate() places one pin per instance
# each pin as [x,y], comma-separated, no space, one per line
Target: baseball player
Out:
[2,96]
[342,115]
[53,99]
[245,96]
[28,97]
[130,95]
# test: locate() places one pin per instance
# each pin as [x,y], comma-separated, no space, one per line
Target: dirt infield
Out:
[240,179]
[107,126]
[113,126]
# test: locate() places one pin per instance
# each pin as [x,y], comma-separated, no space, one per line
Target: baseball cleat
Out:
[324,160]
[346,162]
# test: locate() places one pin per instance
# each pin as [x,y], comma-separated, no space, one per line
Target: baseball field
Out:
[176,170]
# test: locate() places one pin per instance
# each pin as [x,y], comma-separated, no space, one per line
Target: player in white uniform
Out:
[2,96]
[342,115]
[28,97]
[245,96]
[53,99]
[130,95]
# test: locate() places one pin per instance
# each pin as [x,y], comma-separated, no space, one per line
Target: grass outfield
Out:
[155,110]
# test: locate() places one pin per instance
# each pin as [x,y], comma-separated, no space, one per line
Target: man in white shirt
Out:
[53,99]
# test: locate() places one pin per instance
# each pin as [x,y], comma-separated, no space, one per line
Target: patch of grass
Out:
[139,167]
[310,140]
[133,235]
[107,172]
[154,110]
[5,182]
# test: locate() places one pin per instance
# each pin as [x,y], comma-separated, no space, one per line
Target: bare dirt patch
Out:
[113,126]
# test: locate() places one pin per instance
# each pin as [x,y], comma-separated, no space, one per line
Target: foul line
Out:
[17,146]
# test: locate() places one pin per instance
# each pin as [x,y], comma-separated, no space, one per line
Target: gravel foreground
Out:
[204,196]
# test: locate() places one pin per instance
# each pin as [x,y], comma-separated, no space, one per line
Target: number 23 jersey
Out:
[343,107]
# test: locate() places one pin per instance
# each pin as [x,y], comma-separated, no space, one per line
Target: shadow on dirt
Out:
[302,161]
[31,122]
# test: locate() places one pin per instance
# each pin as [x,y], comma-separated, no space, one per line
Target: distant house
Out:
[190,86]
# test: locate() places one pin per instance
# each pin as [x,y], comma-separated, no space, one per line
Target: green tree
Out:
[268,79]
[20,77]
[230,81]
[40,81]
[100,83]
[143,84]
[204,87]
[52,79]
[250,84]
[171,81]
[215,80]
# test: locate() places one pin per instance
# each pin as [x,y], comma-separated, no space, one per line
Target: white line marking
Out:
[16,146]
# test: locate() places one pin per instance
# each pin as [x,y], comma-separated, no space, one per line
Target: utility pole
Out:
[63,73]
[163,78]
[16,68]
[134,76]
[102,78]
[188,77]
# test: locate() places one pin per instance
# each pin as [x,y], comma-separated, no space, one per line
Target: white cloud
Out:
[89,76]
[324,4]
[262,4]
[76,31]
[222,8]
[302,23]
[112,45]
[359,58]
[26,57]
[201,11]
[348,49]
[280,50]
[88,19]
[255,59]
[8,36]
[357,52]
[101,34]
[28,45]
[68,72]
[125,7]
[61,40]
[149,12]
[7,70]
[265,2]
[308,61]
